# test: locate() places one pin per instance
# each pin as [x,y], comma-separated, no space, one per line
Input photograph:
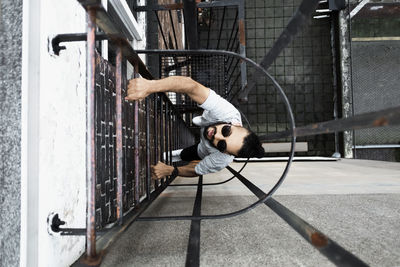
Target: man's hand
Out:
[138,89]
[161,170]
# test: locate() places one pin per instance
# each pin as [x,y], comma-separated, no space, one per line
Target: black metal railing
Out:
[211,25]
[120,134]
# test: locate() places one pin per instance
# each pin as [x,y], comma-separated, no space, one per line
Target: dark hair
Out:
[252,147]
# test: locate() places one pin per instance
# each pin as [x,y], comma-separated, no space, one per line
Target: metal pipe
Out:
[156,133]
[233,27]
[234,38]
[90,135]
[161,134]
[191,15]
[118,122]
[161,30]
[324,244]
[148,174]
[209,28]
[220,29]
[136,145]
[166,126]
[170,136]
[386,117]
[193,249]
[173,28]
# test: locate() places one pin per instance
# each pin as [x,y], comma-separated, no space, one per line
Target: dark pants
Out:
[190,153]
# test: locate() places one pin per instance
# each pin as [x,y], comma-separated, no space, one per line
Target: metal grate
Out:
[166,131]
[303,69]
[208,70]
[105,143]
[375,86]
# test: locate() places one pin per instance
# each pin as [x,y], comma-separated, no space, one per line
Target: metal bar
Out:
[335,71]
[79,231]
[106,23]
[220,29]
[170,136]
[386,117]
[234,38]
[209,28]
[148,160]
[230,90]
[166,137]
[193,250]
[324,244]
[156,134]
[233,70]
[173,29]
[295,24]
[223,182]
[242,44]
[161,30]
[136,146]
[72,37]
[233,27]
[190,15]
[161,133]
[358,8]
[379,10]
[235,213]
[90,135]
[118,120]
[230,64]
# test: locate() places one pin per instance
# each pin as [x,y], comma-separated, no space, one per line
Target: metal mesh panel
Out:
[205,69]
[167,131]
[385,154]
[376,86]
[304,70]
[218,28]
[106,146]
[105,143]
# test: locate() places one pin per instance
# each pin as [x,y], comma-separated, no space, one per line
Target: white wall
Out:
[54,132]
[62,187]
[59,107]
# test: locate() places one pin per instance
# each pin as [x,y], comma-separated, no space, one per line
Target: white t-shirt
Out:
[216,109]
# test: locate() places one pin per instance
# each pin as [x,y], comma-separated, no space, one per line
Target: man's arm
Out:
[161,170]
[140,88]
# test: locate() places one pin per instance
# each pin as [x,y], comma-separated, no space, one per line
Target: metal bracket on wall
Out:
[53,227]
[76,37]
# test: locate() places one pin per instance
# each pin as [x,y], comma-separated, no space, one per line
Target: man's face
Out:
[226,137]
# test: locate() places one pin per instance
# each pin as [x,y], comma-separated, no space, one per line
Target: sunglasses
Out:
[226,131]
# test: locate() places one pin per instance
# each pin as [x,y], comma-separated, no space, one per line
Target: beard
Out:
[212,126]
[205,133]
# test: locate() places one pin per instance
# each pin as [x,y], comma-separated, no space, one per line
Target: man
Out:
[222,135]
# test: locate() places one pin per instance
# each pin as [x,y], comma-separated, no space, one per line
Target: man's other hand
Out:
[138,89]
[160,170]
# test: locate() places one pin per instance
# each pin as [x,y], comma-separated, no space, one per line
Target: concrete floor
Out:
[354,202]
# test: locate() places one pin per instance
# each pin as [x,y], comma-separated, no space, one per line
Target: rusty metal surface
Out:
[386,117]
[90,135]
[140,148]
[118,120]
